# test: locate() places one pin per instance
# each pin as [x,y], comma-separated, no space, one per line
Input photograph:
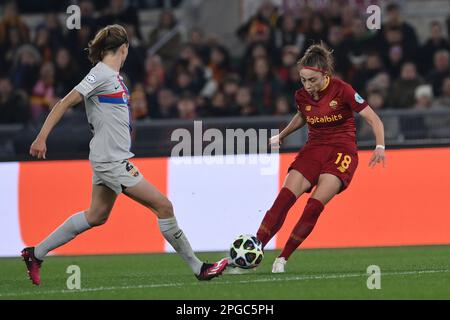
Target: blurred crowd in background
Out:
[196,76]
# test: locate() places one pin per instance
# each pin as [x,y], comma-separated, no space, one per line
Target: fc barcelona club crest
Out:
[308,108]
[131,169]
[333,104]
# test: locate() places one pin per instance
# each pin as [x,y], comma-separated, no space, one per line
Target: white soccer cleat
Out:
[278,265]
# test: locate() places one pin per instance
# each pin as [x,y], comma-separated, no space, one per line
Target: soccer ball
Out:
[246,252]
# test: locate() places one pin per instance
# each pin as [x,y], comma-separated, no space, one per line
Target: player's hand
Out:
[38,148]
[377,157]
[275,142]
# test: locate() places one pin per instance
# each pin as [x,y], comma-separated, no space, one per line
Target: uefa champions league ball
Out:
[246,252]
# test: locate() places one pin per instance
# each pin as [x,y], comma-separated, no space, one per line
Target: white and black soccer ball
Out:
[246,252]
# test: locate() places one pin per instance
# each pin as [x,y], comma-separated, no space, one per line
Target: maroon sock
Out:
[274,218]
[303,227]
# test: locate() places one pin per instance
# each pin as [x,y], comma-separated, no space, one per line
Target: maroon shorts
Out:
[313,160]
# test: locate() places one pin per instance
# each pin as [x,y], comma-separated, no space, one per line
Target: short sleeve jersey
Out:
[330,118]
[107,108]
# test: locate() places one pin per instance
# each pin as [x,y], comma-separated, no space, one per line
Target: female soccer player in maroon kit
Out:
[329,158]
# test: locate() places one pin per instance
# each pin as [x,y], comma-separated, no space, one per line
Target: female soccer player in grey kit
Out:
[106,100]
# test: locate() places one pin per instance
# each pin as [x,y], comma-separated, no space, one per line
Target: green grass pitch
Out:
[406,273]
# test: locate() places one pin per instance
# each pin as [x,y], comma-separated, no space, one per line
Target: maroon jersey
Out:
[330,119]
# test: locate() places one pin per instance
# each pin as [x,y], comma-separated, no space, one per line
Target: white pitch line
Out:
[271,279]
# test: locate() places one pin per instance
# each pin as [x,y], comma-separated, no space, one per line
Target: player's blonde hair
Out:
[108,39]
[318,56]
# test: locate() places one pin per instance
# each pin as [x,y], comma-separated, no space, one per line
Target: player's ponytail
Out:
[108,39]
[318,57]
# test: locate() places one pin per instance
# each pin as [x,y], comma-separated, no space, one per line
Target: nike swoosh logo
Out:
[115,88]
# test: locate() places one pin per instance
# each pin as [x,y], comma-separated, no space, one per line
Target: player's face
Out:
[313,81]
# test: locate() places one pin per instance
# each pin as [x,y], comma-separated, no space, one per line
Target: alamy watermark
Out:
[374,279]
[227,148]
[73,21]
[373,22]
[74,280]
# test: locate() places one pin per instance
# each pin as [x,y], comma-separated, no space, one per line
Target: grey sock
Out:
[72,227]
[175,236]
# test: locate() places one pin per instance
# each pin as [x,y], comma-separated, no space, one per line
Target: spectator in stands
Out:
[283,106]
[87,10]
[25,70]
[376,99]
[186,106]
[260,28]
[404,89]
[184,83]
[230,88]
[265,87]
[348,15]
[12,20]
[219,63]
[244,102]
[287,32]
[66,72]
[289,57]
[78,40]
[220,106]
[43,97]
[318,30]
[253,52]
[397,31]
[381,83]
[293,83]
[134,65]
[395,60]
[155,68]
[152,86]
[440,71]
[340,47]
[166,107]
[8,50]
[444,99]
[372,66]
[360,41]
[138,102]
[435,42]
[55,30]
[198,42]
[13,104]
[191,64]
[119,12]
[167,36]
[42,43]
[414,126]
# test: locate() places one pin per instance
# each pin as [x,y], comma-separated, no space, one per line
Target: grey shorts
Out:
[116,175]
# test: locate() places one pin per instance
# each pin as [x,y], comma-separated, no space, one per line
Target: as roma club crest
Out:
[308,108]
[333,104]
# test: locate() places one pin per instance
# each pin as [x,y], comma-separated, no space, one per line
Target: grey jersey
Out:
[106,99]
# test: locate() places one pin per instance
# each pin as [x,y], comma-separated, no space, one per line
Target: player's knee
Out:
[165,209]
[97,218]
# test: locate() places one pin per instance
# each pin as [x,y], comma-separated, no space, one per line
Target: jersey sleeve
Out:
[353,99]
[90,84]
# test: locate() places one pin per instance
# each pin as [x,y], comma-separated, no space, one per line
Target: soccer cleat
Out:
[33,265]
[278,265]
[210,270]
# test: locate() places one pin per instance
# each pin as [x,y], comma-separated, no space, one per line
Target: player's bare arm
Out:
[378,129]
[296,123]
[38,147]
